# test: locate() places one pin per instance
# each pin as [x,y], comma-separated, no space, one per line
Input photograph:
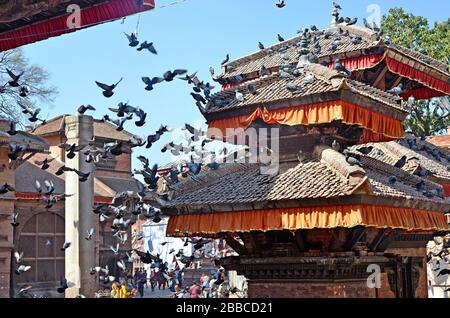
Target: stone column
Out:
[80,256]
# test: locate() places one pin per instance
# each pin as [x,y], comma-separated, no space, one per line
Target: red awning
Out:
[410,72]
[446,190]
[422,93]
[36,196]
[360,62]
[105,12]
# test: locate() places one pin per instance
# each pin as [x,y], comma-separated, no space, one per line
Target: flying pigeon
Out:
[280,4]
[14,82]
[82,109]
[147,46]
[108,90]
[132,39]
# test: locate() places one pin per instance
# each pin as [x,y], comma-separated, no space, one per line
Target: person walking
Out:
[205,286]
[179,275]
[141,281]
[195,290]
[152,280]
[115,292]
[136,277]
[124,293]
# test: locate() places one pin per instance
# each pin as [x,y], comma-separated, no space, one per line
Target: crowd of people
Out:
[170,279]
[209,286]
[214,285]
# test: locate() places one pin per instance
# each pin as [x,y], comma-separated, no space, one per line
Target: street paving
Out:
[157,293]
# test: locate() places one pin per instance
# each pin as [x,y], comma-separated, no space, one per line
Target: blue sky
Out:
[195,35]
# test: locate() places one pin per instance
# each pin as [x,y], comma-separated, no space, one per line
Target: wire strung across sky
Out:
[91,24]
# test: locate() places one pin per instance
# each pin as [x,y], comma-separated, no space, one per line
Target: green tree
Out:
[414,32]
[34,77]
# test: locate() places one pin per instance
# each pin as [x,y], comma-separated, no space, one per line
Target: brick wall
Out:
[4,285]
[422,289]
[6,230]
[286,289]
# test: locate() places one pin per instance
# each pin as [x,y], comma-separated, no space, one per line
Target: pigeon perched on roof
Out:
[401,162]
[226,59]
[397,90]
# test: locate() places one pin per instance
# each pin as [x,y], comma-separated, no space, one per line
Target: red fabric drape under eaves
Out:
[446,190]
[35,196]
[229,85]
[360,62]
[321,217]
[407,71]
[114,9]
[379,127]
[353,63]
[422,93]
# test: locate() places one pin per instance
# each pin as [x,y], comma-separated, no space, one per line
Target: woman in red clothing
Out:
[195,290]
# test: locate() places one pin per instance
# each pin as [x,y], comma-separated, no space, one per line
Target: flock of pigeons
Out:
[438,255]
[309,48]
[120,215]
[354,158]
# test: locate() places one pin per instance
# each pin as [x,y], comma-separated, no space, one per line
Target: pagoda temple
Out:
[354,201]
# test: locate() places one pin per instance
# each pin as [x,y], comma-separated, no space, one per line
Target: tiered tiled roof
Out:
[119,184]
[422,58]
[370,43]
[28,172]
[405,186]
[101,129]
[252,62]
[235,184]
[34,143]
[306,180]
[442,141]
[271,89]
[391,152]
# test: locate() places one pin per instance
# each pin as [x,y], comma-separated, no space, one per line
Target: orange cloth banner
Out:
[320,113]
[323,217]
[407,71]
[369,136]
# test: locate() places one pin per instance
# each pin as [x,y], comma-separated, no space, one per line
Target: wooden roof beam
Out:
[380,80]
[395,83]
[300,240]
[235,245]
[355,235]
[383,245]
[378,239]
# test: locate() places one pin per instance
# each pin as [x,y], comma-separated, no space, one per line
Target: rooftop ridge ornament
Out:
[333,77]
